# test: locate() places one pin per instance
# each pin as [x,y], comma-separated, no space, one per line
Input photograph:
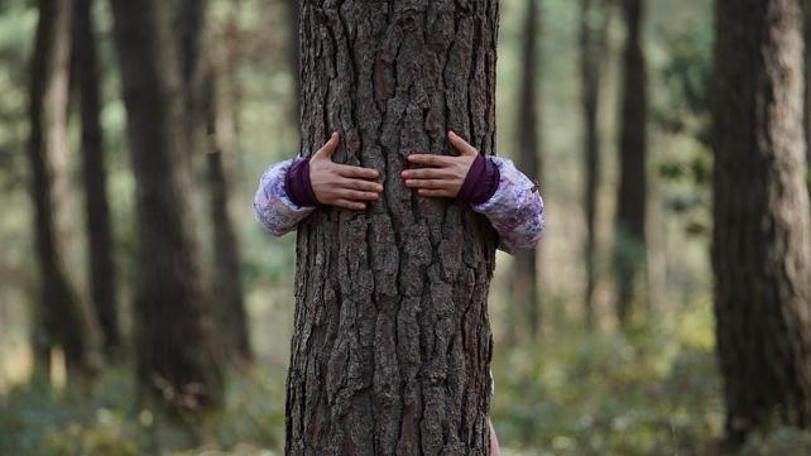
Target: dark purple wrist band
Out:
[298,184]
[480,183]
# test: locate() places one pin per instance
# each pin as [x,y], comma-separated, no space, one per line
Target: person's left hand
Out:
[443,175]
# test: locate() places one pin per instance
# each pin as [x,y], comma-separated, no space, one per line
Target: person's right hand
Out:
[349,187]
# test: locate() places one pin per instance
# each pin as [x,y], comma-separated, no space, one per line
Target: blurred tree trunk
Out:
[392,342]
[66,319]
[207,99]
[194,65]
[525,280]
[594,18]
[176,351]
[761,250]
[630,248]
[222,161]
[99,231]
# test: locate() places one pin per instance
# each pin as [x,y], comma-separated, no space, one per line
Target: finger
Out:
[351,205]
[360,184]
[461,145]
[358,195]
[423,173]
[430,160]
[328,149]
[427,183]
[357,172]
[435,193]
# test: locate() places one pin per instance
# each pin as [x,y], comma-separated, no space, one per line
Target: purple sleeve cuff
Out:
[480,183]
[299,188]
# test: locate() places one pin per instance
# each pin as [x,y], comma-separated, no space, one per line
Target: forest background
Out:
[569,385]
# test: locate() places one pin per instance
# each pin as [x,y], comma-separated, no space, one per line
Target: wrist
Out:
[299,186]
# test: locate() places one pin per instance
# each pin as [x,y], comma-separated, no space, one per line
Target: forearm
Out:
[275,210]
[515,210]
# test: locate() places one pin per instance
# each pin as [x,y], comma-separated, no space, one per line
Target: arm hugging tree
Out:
[392,341]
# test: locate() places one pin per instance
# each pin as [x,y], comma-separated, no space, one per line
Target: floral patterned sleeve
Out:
[515,210]
[274,209]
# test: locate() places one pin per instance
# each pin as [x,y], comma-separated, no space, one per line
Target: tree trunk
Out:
[761,250]
[67,319]
[525,278]
[222,161]
[176,346]
[99,231]
[194,65]
[392,342]
[594,18]
[206,94]
[630,246]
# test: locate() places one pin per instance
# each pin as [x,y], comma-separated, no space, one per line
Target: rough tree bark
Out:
[68,321]
[392,341]
[594,17]
[761,247]
[176,348]
[209,111]
[525,290]
[99,231]
[629,255]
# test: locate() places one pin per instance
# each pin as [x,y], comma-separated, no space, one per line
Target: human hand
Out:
[444,175]
[348,187]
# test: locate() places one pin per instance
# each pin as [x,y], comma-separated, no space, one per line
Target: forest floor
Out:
[653,391]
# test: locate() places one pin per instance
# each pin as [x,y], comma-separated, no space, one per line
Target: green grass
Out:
[654,391]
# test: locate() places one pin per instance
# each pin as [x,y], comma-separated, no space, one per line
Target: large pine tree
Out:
[761,247]
[392,340]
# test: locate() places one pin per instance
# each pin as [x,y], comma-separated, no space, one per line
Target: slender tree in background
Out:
[629,255]
[175,322]
[525,278]
[392,341]
[65,319]
[209,111]
[594,18]
[221,167]
[99,231]
[761,250]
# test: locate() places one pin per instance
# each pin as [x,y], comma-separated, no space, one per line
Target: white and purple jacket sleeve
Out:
[515,210]
[274,209]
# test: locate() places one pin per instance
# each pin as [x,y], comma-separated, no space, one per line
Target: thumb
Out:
[461,145]
[328,149]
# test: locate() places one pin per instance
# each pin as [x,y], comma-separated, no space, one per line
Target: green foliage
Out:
[654,392]
[788,441]
[682,108]
[36,422]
